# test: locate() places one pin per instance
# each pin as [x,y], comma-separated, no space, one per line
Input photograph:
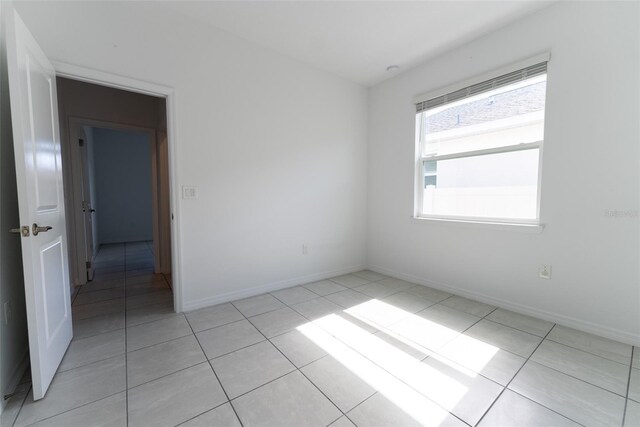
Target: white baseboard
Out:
[582,325]
[269,287]
[17,375]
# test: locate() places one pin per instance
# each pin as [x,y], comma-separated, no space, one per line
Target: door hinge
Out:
[88,263]
[81,142]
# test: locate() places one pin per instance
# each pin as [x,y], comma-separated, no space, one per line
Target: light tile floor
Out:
[359,349]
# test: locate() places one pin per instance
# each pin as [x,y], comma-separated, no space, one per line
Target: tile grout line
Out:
[24,399]
[286,305]
[171,314]
[75,294]
[169,374]
[68,410]
[626,400]
[208,361]
[147,292]
[576,378]
[506,387]
[589,352]
[527,358]
[295,286]
[90,291]
[520,330]
[269,311]
[159,343]
[207,411]
[94,302]
[361,403]
[316,292]
[117,329]
[543,406]
[295,369]
[93,361]
[299,302]
[292,364]
[126,352]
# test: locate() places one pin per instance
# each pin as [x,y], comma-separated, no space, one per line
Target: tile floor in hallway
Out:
[360,349]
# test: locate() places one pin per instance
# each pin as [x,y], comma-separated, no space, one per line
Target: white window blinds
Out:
[484,86]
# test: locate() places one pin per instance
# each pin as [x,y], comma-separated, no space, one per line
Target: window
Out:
[479,149]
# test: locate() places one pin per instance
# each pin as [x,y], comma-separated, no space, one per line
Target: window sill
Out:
[506,226]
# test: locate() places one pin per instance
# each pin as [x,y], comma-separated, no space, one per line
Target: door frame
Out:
[89,75]
[75,121]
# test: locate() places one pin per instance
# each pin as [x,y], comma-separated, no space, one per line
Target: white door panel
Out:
[40,200]
[46,167]
[52,260]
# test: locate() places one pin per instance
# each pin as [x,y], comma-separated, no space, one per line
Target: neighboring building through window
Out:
[480,148]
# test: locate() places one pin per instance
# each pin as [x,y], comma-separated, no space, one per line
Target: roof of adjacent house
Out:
[515,102]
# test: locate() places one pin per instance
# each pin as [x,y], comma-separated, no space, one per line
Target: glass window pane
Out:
[506,116]
[503,185]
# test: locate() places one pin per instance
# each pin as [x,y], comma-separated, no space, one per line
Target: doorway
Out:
[116,169]
[123,189]
[47,200]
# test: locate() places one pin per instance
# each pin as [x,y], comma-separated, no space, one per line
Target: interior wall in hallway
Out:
[122,173]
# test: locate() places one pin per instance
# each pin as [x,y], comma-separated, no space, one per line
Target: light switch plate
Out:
[189,192]
[544,271]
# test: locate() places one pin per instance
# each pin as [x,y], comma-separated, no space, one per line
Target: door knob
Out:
[24,230]
[38,229]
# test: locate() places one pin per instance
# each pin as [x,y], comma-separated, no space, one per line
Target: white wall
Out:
[276,148]
[590,166]
[13,336]
[121,162]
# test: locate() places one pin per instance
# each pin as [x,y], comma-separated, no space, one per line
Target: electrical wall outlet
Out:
[544,271]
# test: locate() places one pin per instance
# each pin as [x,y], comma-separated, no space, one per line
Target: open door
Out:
[34,111]
[84,243]
[87,208]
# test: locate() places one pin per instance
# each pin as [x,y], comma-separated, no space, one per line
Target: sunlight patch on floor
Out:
[404,397]
[399,376]
[378,312]
[473,353]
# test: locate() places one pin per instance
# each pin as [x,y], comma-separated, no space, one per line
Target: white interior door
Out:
[32,89]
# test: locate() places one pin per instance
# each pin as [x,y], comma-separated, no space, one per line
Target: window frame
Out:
[421,158]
